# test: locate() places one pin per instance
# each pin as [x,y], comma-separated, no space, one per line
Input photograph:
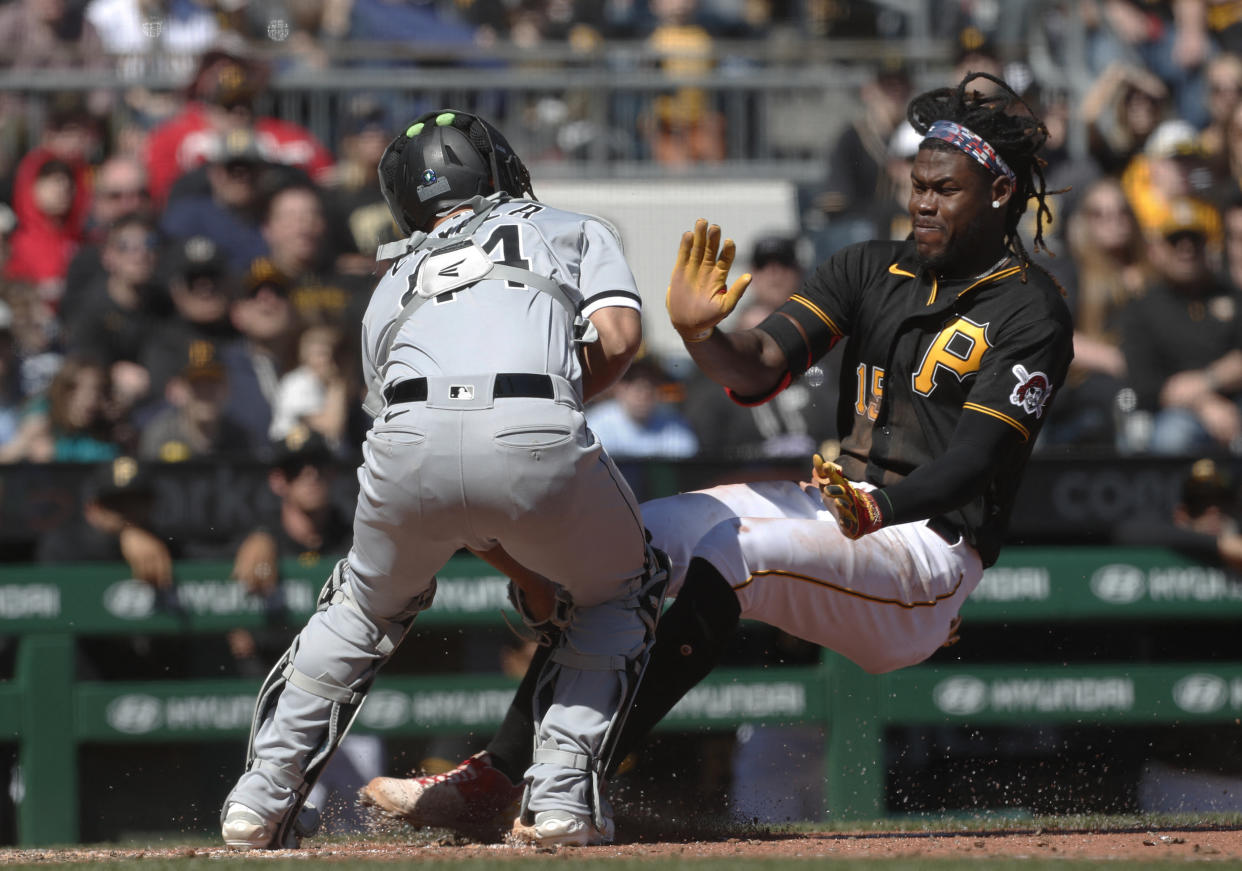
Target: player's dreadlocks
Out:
[1007,123]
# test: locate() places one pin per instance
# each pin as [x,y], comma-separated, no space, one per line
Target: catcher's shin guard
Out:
[342,704]
[646,600]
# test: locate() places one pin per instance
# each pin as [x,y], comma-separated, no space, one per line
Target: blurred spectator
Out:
[1224,94]
[977,53]
[1204,524]
[119,188]
[429,25]
[11,394]
[1182,341]
[1170,170]
[794,421]
[635,420]
[891,216]
[1120,110]
[36,333]
[355,195]
[228,213]
[302,29]
[1231,221]
[265,349]
[1170,39]
[51,198]
[149,37]
[220,101]
[115,525]
[1229,183]
[857,176]
[1105,269]
[122,308]
[43,34]
[73,423]
[315,394]
[201,293]
[299,247]
[683,127]
[309,526]
[8,223]
[195,424]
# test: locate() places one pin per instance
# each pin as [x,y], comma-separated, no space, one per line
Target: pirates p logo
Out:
[957,349]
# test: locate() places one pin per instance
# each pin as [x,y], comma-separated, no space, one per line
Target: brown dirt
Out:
[1214,844]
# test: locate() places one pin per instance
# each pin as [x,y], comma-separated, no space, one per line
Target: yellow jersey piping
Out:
[991,412]
[820,582]
[817,311]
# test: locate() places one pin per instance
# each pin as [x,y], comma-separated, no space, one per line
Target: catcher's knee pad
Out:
[624,672]
[340,697]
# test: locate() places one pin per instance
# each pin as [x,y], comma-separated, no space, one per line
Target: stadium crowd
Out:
[186,283]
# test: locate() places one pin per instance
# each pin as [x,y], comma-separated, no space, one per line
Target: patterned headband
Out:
[971,143]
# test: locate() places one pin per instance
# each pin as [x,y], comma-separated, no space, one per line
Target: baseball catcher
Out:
[497,316]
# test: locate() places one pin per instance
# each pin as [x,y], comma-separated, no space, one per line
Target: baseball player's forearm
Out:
[961,473]
[748,362]
[606,359]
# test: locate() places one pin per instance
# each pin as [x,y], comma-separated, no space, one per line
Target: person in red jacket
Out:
[221,98]
[51,198]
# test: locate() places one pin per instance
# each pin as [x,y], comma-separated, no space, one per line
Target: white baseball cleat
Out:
[243,829]
[557,828]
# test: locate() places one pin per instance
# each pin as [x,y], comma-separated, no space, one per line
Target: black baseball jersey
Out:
[921,351]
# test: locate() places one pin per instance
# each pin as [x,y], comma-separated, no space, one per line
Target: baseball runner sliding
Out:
[954,344]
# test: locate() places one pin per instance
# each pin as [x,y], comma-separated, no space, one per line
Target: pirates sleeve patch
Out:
[1032,391]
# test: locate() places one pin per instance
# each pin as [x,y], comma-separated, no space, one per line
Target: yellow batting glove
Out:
[856,511]
[699,296]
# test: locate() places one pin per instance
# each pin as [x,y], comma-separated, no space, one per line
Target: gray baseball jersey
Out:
[497,325]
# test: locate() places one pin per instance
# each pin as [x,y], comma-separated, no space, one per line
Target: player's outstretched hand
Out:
[699,296]
[856,511]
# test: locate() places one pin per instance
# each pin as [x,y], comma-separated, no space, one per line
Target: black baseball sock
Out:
[512,744]
[691,637]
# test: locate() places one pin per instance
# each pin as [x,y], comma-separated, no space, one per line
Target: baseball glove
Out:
[698,297]
[856,511]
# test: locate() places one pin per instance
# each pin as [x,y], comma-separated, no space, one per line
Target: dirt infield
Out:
[1166,844]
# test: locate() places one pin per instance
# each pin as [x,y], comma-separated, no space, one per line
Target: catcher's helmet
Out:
[444,157]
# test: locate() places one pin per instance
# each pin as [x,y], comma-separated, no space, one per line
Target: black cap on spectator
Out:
[263,273]
[301,447]
[774,249]
[197,256]
[366,115]
[227,79]
[67,109]
[237,146]
[122,478]
[203,363]
[1207,486]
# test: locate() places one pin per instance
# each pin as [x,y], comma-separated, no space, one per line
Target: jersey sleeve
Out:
[605,276]
[1020,374]
[820,313]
